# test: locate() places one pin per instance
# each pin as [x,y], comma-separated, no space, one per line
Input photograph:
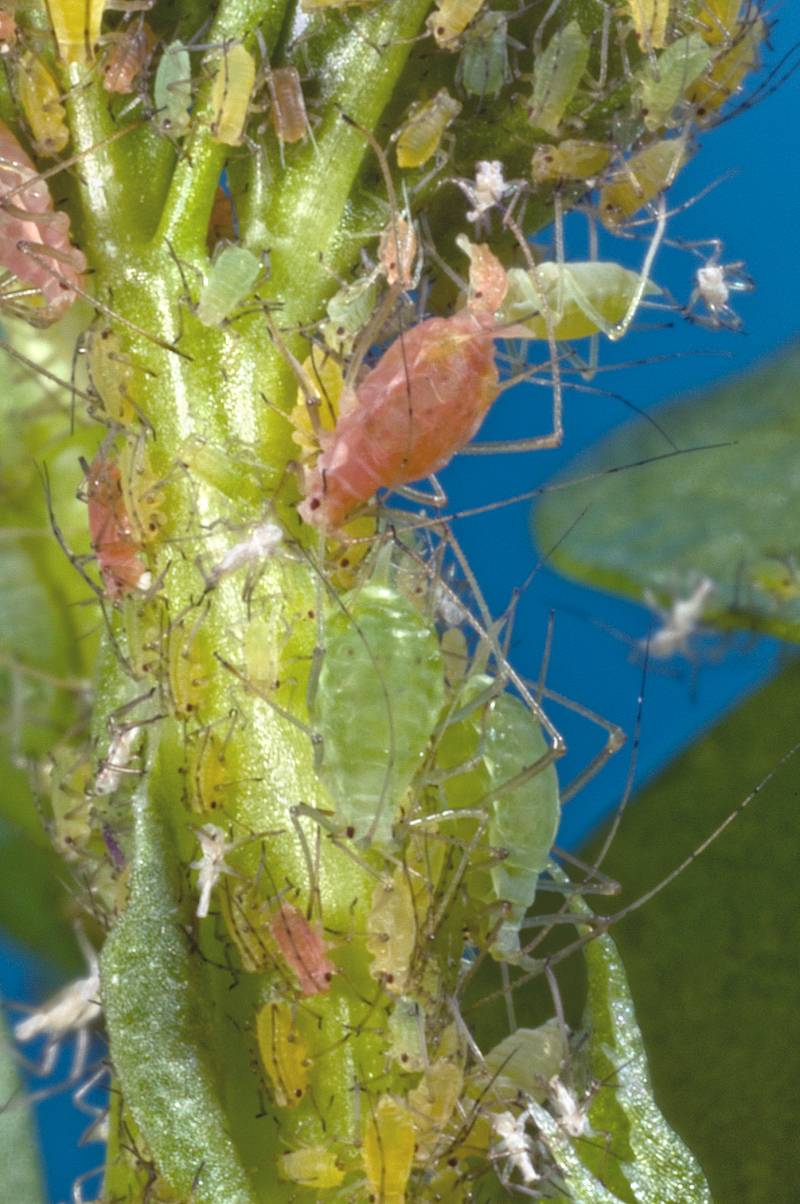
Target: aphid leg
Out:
[337,835]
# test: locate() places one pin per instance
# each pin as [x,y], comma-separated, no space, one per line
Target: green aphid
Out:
[556,75]
[379,696]
[233,273]
[172,89]
[483,68]
[662,85]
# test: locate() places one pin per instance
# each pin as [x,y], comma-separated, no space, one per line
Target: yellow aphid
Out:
[284,1053]
[76,25]
[244,913]
[41,104]
[230,94]
[431,1104]
[388,1150]
[718,20]
[324,376]
[185,670]
[730,66]
[392,933]
[574,159]
[311,1166]
[455,655]
[650,20]
[644,176]
[421,133]
[451,19]
[112,375]
[207,774]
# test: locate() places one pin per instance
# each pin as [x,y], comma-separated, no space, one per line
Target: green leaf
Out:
[19,1152]
[35,907]
[728,513]
[713,960]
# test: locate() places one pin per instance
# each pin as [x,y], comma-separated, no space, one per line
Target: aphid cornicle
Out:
[420,404]
[556,75]
[41,103]
[230,94]
[374,729]
[172,89]
[234,270]
[420,135]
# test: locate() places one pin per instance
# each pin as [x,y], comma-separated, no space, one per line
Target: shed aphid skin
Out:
[128,58]
[489,189]
[388,1150]
[651,21]
[572,159]
[483,68]
[420,135]
[116,765]
[515,1147]
[52,265]
[679,621]
[288,113]
[557,74]
[572,1117]
[311,1166]
[641,179]
[76,25]
[41,103]
[230,94]
[374,642]
[450,19]
[715,282]
[662,86]
[303,948]
[172,89]
[233,273]
[111,531]
[211,865]
[262,542]
[284,1053]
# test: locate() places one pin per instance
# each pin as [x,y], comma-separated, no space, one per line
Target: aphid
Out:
[388,1150]
[172,89]
[186,657]
[303,947]
[679,621]
[392,931]
[262,542]
[650,20]
[211,865]
[640,180]
[40,100]
[111,532]
[661,86]
[76,25]
[112,374]
[515,1145]
[573,159]
[349,310]
[420,135]
[242,907]
[311,1166]
[128,58]
[432,1103]
[483,68]
[406,1035]
[230,94]
[527,1059]
[488,285]
[718,20]
[715,283]
[29,227]
[116,764]
[233,272]
[284,1053]
[8,30]
[381,688]
[489,189]
[420,404]
[455,655]
[556,75]
[572,1117]
[736,57]
[397,252]
[451,19]
[222,225]
[571,300]
[207,771]
[289,117]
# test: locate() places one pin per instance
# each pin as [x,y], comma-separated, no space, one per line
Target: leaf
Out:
[19,1153]
[713,960]
[34,905]
[728,513]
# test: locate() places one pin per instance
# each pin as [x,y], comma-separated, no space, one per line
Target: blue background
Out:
[755,213]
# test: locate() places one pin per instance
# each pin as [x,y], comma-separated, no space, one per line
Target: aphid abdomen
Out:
[303,948]
[110,531]
[421,403]
[230,95]
[288,106]
[556,76]
[128,58]
[41,104]
[380,693]
[232,276]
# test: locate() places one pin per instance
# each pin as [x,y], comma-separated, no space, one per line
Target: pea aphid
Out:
[311,1166]
[420,135]
[349,310]
[392,933]
[406,1034]
[111,531]
[234,270]
[284,1053]
[76,25]
[41,103]
[128,58]
[557,74]
[572,159]
[735,57]
[571,300]
[432,1103]
[650,20]
[172,89]
[230,94]
[303,948]
[640,180]
[374,732]
[288,115]
[450,19]
[388,1150]
[483,68]
[8,31]
[662,86]
[112,375]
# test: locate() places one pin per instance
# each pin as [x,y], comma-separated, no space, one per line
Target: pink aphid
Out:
[303,947]
[421,403]
[8,30]
[128,58]
[110,531]
[34,239]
